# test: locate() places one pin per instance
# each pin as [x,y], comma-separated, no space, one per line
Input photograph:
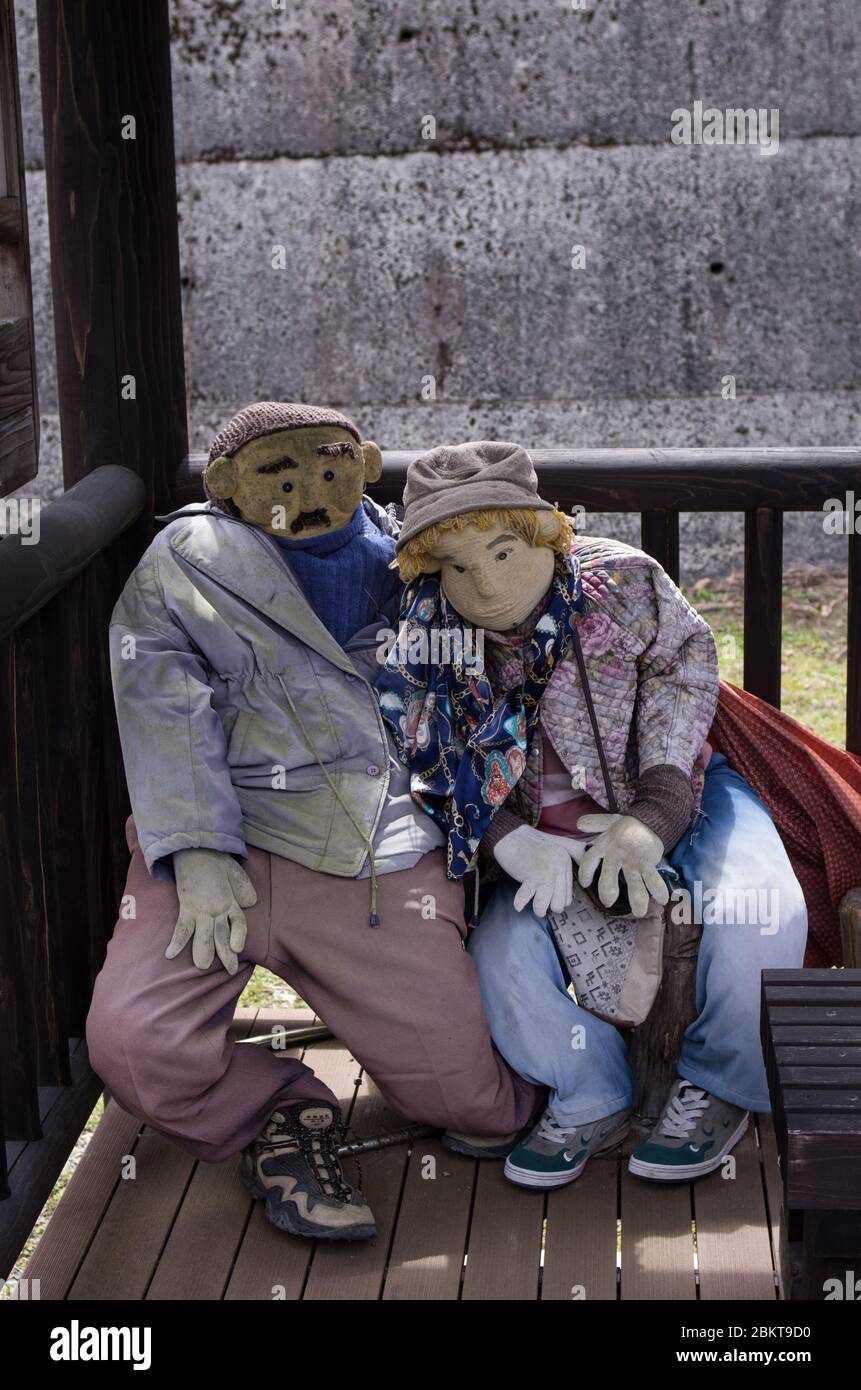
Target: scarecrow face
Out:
[493,578]
[297,483]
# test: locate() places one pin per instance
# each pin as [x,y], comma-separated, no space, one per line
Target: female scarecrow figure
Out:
[591,719]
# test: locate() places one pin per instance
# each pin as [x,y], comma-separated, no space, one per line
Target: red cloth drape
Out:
[813,793]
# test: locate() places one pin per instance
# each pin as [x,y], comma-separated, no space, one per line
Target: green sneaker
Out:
[551,1156]
[692,1137]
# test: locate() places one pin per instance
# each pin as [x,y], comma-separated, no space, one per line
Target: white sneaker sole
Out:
[667,1172]
[525,1177]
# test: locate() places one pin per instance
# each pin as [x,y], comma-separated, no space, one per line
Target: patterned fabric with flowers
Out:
[466,746]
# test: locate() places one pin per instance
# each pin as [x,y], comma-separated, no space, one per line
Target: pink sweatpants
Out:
[403,998]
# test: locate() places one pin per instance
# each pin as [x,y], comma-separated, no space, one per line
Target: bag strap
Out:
[590,705]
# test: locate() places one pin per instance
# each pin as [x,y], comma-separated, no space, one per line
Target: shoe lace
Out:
[319,1149]
[679,1120]
[552,1132]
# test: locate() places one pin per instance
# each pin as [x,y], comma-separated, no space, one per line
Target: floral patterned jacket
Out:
[653,672]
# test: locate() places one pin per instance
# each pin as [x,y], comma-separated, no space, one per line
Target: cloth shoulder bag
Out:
[615,962]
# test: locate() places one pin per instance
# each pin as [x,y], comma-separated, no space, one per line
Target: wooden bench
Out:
[811,1037]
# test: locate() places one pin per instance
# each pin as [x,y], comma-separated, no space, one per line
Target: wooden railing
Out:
[63,805]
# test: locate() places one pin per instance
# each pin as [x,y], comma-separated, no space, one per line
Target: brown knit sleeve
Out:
[502,824]
[664,801]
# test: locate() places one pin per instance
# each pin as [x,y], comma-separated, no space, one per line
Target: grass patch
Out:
[265,991]
[813,673]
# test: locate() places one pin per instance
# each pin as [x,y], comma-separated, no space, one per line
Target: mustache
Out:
[319,517]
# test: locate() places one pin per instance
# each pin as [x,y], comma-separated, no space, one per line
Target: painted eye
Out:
[503,554]
[286,487]
[459,569]
[328,475]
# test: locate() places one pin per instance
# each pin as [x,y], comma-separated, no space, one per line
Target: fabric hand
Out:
[213,889]
[625,844]
[541,864]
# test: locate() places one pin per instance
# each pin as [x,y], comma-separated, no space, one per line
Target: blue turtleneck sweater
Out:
[346,575]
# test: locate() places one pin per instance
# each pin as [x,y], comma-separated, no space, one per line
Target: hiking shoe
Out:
[480,1145]
[550,1155]
[692,1137]
[293,1167]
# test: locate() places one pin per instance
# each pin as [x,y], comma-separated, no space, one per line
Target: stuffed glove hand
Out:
[541,864]
[213,889]
[629,846]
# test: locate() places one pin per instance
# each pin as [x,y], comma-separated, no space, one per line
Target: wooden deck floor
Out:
[187,1230]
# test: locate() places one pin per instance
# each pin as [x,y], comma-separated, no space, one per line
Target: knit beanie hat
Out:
[467,478]
[270,417]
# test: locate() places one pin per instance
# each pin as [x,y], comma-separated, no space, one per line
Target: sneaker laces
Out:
[552,1132]
[320,1151]
[679,1120]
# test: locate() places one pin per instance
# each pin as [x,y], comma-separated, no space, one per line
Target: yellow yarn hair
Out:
[523,521]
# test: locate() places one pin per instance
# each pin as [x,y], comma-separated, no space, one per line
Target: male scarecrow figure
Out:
[273,825]
[509,763]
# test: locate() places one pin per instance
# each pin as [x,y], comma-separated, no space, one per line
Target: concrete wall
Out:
[303,127]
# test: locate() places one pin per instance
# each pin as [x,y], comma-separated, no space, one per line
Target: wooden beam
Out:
[683,480]
[87,520]
[636,480]
[111,187]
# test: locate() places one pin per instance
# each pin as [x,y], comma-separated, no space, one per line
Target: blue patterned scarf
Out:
[465,746]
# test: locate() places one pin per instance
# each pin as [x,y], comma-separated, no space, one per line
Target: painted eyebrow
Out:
[342,447]
[500,539]
[277,466]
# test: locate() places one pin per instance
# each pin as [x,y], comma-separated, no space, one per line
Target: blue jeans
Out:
[741,885]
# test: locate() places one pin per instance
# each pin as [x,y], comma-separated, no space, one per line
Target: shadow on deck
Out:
[187,1230]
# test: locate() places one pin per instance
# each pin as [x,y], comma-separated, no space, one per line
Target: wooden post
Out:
[853,644]
[659,537]
[763,600]
[111,185]
[654,1047]
[849,913]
